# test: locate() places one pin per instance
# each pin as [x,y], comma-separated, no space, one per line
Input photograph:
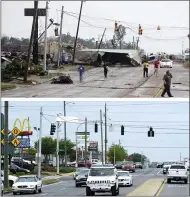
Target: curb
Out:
[159,189]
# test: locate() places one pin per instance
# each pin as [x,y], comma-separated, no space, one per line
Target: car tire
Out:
[185,181]
[14,193]
[89,192]
[40,190]
[114,190]
[168,181]
[2,192]
[36,190]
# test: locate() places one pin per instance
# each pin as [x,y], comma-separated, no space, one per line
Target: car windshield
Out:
[80,169]
[84,172]
[26,179]
[164,60]
[119,162]
[177,167]
[101,172]
[123,173]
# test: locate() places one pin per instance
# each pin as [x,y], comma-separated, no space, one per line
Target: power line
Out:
[159,147]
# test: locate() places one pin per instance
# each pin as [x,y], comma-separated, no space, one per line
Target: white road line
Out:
[63,188]
[43,194]
[159,172]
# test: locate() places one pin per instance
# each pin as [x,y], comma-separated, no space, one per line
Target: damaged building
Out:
[109,56]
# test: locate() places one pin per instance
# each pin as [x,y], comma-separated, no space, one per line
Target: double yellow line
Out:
[158,92]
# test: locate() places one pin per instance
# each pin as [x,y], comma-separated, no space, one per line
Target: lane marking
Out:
[161,188]
[159,171]
[148,188]
[43,194]
[159,91]
[63,188]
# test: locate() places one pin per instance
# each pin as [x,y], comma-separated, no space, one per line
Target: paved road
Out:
[67,187]
[121,83]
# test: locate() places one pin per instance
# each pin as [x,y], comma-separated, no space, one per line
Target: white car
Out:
[27,184]
[102,179]
[166,63]
[177,172]
[166,166]
[125,179]
[12,179]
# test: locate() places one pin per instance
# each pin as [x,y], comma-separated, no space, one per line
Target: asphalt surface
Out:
[66,187]
[122,82]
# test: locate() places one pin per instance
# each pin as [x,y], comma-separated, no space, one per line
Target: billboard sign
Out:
[24,143]
[93,146]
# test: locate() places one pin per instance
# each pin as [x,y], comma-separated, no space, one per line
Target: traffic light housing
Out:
[56,32]
[96,128]
[151,132]
[122,130]
[140,30]
[52,129]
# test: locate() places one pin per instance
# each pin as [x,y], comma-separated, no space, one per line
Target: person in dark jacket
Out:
[105,71]
[167,84]
[81,72]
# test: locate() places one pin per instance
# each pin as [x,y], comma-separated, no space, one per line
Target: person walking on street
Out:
[81,72]
[156,64]
[145,68]
[167,84]
[105,71]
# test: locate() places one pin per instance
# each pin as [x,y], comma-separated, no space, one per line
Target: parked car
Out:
[22,163]
[27,184]
[160,165]
[82,164]
[15,169]
[81,178]
[139,165]
[12,179]
[129,166]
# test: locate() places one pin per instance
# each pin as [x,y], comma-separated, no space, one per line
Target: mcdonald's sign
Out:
[21,127]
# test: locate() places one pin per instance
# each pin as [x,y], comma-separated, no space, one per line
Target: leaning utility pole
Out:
[138,42]
[45,39]
[106,134]
[65,134]
[40,145]
[102,142]
[31,41]
[101,39]
[6,145]
[60,37]
[85,142]
[75,44]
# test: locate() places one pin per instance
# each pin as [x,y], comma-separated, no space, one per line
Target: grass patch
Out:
[49,76]
[50,181]
[7,86]
[187,64]
[8,190]
[67,170]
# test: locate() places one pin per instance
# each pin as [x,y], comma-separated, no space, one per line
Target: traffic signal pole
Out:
[102,142]
[58,125]
[40,145]
[6,144]
[105,134]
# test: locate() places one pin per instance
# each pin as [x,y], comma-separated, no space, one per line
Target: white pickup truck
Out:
[177,172]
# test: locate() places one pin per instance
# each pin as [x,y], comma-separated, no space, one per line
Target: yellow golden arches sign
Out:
[22,124]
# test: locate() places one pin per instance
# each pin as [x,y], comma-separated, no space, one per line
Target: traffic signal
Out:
[122,130]
[96,128]
[158,28]
[116,27]
[151,132]
[56,32]
[140,30]
[52,129]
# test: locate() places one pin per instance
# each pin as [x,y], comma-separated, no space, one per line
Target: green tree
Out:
[70,145]
[120,153]
[137,157]
[32,153]
[48,147]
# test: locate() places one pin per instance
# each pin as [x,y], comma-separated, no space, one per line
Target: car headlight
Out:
[32,186]
[13,187]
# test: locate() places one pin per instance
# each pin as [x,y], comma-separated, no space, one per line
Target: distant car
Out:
[128,166]
[78,170]
[125,179]
[82,164]
[160,165]
[2,188]
[166,63]
[81,178]
[15,169]
[138,165]
[27,184]
[166,166]
[119,164]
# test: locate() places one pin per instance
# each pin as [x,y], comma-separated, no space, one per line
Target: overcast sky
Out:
[149,14]
[164,117]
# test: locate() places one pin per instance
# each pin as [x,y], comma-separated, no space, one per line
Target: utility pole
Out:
[60,37]
[101,39]
[133,42]
[120,44]
[31,40]
[58,125]
[45,39]
[102,142]
[40,145]
[105,134]
[85,142]
[6,145]
[65,134]
[75,44]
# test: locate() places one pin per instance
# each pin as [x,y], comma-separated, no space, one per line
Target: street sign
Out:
[2,141]
[2,131]
[82,133]
[15,131]
[15,142]
[82,137]
[93,146]
[24,143]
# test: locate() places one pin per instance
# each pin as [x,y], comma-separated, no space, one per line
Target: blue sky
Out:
[164,117]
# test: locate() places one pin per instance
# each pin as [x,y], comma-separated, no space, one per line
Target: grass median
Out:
[50,181]
[7,86]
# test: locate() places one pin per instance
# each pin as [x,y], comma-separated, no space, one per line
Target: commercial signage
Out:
[93,146]
[24,143]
